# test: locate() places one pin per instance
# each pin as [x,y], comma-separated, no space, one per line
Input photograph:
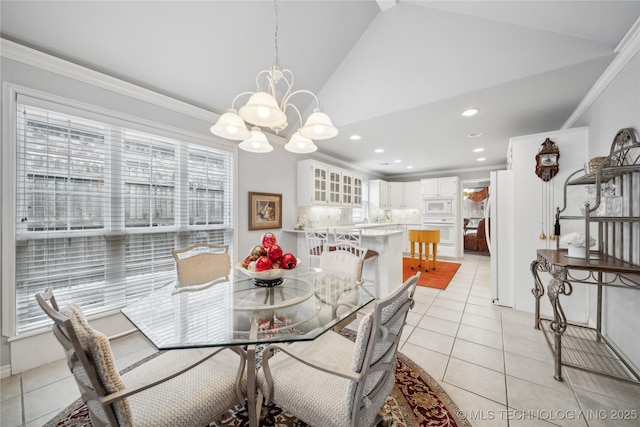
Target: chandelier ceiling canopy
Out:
[266,108]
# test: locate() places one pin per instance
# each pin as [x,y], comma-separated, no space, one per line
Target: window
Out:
[100,205]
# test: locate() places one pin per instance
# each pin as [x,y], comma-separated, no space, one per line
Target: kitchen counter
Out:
[383,275]
[369,229]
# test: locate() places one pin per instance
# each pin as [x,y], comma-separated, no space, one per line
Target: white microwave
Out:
[438,207]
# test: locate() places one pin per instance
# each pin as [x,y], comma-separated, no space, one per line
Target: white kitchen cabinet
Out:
[396,195]
[438,188]
[357,190]
[412,195]
[335,182]
[313,183]
[404,195]
[320,184]
[378,194]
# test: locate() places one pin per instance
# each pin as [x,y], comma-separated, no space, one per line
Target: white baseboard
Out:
[5,371]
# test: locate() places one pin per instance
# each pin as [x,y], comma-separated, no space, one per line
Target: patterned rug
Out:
[438,278]
[417,400]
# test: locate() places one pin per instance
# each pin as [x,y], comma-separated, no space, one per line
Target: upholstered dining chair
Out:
[346,260]
[316,240]
[354,237]
[332,381]
[174,388]
[202,263]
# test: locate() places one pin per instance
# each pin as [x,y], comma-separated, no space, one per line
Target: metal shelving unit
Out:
[614,265]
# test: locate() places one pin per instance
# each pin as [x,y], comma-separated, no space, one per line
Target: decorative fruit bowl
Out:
[267,278]
[267,263]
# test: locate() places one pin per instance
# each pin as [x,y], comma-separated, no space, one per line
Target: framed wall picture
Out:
[265,211]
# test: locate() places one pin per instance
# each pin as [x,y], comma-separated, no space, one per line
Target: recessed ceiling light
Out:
[470,112]
[397,161]
[409,167]
[481,159]
[378,150]
[355,137]
[475,134]
[478,150]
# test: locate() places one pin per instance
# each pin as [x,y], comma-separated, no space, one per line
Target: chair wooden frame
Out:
[79,360]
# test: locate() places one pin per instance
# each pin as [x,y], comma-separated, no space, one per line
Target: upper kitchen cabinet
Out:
[378,194]
[351,190]
[404,195]
[412,195]
[335,184]
[320,184]
[439,188]
[313,183]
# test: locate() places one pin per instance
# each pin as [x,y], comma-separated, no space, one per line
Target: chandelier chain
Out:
[275,36]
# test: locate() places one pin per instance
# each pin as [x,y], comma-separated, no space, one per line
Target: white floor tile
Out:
[543,403]
[478,354]
[478,410]
[439,325]
[431,340]
[476,379]
[480,336]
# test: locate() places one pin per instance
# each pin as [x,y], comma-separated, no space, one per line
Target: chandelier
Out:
[264,110]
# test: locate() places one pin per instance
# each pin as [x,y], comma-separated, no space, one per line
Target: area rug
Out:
[417,400]
[438,278]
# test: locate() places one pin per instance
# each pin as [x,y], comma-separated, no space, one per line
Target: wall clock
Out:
[547,160]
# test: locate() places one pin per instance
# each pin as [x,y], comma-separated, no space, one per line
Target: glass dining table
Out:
[236,311]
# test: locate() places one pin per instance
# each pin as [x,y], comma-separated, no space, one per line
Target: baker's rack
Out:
[616,263]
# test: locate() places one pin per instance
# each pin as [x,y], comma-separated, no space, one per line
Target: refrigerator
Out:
[499,210]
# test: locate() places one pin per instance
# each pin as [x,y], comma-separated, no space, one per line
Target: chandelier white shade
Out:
[300,144]
[267,108]
[318,126]
[256,143]
[262,110]
[231,126]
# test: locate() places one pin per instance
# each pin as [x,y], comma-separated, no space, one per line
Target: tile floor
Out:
[490,360]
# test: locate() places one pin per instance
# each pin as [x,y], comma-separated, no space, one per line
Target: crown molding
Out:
[626,50]
[47,62]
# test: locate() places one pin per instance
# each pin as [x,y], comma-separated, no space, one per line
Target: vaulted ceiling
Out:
[397,74]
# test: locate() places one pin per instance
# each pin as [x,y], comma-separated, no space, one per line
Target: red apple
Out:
[268,240]
[274,252]
[263,263]
[288,261]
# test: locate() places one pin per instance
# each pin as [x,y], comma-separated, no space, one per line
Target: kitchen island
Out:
[386,239]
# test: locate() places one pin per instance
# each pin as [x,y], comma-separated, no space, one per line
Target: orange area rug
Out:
[438,278]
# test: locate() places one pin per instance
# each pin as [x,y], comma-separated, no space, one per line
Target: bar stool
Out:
[316,241]
[354,237]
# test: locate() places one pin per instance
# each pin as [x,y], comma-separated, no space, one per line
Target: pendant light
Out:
[264,110]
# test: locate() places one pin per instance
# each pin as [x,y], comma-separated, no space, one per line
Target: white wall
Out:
[617,107]
[535,202]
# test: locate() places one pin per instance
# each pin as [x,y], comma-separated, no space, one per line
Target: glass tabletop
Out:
[237,312]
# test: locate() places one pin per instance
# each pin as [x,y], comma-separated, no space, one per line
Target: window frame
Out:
[9,182]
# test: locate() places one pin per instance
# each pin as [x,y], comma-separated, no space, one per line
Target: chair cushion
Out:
[316,397]
[97,347]
[191,399]
[342,262]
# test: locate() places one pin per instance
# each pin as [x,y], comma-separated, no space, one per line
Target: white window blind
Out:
[100,205]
